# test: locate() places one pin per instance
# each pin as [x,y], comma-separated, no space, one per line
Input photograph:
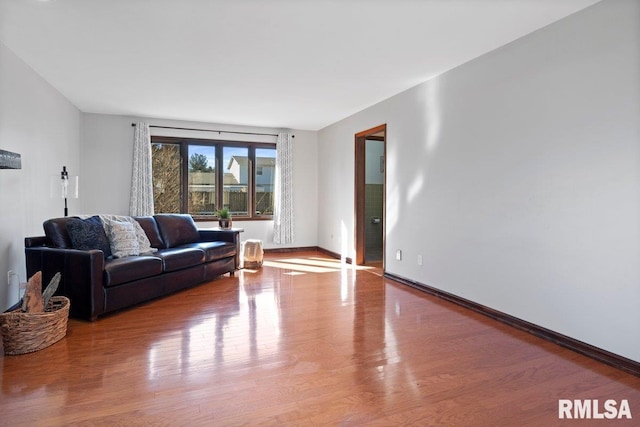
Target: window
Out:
[199,177]
[236,180]
[265,179]
[166,177]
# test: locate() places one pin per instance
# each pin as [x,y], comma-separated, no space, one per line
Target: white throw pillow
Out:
[123,239]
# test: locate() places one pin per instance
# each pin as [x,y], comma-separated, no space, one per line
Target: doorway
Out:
[370,179]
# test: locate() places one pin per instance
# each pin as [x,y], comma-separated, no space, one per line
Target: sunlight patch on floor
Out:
[312,265]
[334,263]
[295,273]
[286,264]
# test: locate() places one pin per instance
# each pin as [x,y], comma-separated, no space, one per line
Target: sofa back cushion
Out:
[150,227]
[55,230]
[177,229]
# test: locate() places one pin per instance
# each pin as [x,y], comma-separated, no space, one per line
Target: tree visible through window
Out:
[186,173]
[202,180]
[166,177]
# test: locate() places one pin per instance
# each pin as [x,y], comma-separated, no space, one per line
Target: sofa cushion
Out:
[144,245]
[55,230]
[150,227]
[123,270]
[177,229]
[123,239]
[214,250]
[87,234]
[178,258]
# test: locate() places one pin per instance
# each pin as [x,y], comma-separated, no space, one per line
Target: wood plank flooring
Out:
[302,341]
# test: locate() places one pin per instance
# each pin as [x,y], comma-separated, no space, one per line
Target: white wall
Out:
[107,151]
[517,177]
[37,122]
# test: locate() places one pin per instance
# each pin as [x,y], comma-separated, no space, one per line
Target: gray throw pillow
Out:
[123,239]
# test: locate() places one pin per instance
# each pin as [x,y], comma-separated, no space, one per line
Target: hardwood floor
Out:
[302,341]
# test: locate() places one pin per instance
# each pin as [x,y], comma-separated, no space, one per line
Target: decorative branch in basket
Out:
[34,300]
[51,289]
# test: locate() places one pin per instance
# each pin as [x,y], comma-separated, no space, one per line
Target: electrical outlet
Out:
[399,255]
[419,259]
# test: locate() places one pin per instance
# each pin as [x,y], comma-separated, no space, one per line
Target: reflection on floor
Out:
[304,340]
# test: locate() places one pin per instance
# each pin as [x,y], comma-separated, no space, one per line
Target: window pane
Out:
[236,180]
[202,180]
[265,179]
[166,177]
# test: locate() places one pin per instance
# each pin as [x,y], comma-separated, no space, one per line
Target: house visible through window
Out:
[200,177]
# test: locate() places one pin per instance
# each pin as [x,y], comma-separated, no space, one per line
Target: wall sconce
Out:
[64,186]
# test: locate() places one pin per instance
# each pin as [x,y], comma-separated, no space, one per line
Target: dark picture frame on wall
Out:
[9,160]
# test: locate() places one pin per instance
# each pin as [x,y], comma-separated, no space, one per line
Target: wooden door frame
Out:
[359,220]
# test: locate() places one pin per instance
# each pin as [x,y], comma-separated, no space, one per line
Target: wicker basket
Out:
[29,332]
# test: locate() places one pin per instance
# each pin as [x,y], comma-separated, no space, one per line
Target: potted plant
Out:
[224,218]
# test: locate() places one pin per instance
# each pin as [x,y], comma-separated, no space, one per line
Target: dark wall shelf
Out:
[9,160]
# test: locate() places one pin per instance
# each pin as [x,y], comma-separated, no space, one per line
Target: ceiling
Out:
[300,64]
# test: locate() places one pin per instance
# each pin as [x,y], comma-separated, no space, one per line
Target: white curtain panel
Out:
[283,224]
[141,202]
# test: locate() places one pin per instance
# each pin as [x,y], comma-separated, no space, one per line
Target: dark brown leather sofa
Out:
[97,285]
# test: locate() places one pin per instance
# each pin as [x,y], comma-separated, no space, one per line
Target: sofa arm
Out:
[231,236]
[31,242]
[218,236]
[81,280]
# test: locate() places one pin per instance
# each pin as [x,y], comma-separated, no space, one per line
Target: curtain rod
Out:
[214,130]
